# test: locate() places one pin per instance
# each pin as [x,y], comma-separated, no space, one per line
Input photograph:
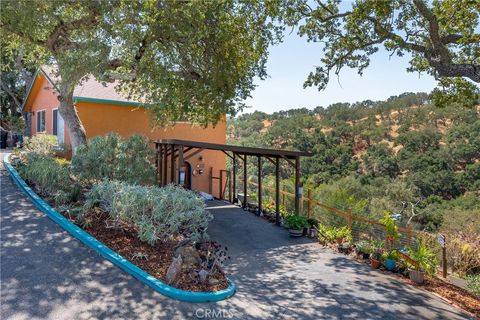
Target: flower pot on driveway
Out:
[375,263]
[295,233]
[416,276]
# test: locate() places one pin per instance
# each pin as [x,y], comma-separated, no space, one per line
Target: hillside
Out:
[402,155]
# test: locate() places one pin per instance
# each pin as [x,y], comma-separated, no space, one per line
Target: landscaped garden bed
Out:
[153,259]
[401,263]
[108,190]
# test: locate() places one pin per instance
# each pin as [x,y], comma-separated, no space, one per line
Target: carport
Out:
[173,153]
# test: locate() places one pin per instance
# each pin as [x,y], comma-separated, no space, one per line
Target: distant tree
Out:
[380,161]
[419,141]
[442,37]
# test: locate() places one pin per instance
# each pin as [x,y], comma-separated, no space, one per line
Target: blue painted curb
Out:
[111,255]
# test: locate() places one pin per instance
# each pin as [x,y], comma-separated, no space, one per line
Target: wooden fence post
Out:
[309,203]
[349,219]
[284,188]
[409,235]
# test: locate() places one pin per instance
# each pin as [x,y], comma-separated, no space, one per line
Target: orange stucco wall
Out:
[99,119]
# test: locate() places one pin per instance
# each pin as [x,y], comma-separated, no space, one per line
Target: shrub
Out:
[296,222]
[158,213]
[390,228]
[44,144]
[473,283]
[111,158]
[426,259]
[50,176]
[328,234]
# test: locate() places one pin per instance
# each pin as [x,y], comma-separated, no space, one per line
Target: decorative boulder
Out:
[174,270]
[189,254]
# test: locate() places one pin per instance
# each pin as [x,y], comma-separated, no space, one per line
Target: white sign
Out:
[441,240]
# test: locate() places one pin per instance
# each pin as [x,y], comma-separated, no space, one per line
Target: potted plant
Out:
[425,262]
[390,228]
[295,225]
[344,235]
[364,249]
[376,255]
[345,247]
[313,225]
[390,260]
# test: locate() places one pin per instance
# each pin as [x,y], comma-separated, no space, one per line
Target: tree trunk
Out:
[72,121]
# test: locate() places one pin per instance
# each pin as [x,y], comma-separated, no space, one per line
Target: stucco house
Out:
[102,109]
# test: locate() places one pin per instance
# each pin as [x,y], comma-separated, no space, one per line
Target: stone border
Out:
[111,255]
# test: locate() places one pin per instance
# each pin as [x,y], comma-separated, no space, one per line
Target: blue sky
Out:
[291,61]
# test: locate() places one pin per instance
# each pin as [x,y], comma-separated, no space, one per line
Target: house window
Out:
[55,122]
[41,121]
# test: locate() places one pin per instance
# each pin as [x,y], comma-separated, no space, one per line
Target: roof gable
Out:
[89,90]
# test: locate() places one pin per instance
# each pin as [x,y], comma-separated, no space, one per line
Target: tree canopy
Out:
[192,60]
[442,36]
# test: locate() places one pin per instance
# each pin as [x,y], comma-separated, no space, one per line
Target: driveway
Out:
[47,274]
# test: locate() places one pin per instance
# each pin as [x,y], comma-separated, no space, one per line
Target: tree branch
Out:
[6,88]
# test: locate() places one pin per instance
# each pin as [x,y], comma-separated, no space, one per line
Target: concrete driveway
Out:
[47,274]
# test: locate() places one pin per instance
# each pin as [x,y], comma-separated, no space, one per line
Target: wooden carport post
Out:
[259,158]
[234,177]
[297,185]
[181,169]
[245,198]
[160,163]
[277,190]
[172,164]
[165,164]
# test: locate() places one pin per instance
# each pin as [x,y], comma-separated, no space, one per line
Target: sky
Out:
[291,61]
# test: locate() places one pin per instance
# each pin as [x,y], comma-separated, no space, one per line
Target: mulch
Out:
[153,259]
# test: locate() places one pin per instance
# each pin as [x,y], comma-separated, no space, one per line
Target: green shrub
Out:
[159,213]
[364,246]
[111,158]
[50,176]
[44,144]
[473,283]
[426,259]
[296,222]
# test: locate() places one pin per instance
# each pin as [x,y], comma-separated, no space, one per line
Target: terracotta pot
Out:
[416,276]
[339,241]
[375,263]
[295,233]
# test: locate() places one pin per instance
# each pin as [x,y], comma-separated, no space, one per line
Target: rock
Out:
[190,256]
[203,274]
[174,270]
[213,281]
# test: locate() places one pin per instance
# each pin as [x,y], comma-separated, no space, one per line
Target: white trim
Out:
[36,120]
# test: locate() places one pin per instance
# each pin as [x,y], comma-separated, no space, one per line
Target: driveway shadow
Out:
[47,274]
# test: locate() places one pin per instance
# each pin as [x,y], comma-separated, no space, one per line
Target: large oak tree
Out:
[191,60]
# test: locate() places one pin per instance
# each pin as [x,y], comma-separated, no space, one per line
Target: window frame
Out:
[38,127]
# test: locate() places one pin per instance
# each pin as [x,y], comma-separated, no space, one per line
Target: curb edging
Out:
[111,255]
